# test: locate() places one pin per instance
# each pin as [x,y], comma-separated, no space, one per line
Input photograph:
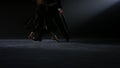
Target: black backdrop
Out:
[13,14]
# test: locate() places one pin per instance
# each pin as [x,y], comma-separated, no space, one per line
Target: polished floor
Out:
[22,53]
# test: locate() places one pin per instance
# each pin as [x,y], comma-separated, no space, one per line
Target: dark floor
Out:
[20,53]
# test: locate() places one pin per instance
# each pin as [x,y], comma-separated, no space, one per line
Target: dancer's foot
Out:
[67,39]
[31,36]
[35,37]
[38,39]
[54,36]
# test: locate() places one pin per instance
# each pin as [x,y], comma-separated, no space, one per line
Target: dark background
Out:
[85,18]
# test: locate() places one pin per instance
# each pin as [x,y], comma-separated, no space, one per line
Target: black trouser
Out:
[56,19]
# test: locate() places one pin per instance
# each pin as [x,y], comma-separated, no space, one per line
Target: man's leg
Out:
[61,26]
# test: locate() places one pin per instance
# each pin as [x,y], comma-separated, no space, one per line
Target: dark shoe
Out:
[67,39]
[37,40]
